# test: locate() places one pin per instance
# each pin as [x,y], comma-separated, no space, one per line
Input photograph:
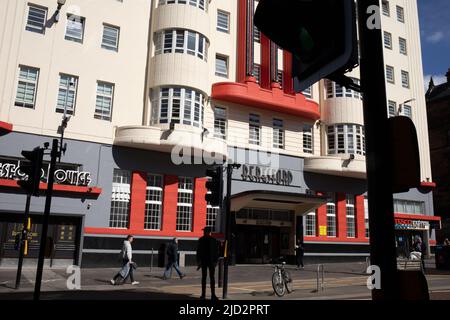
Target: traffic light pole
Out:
[54,155]
[227,232]
[381,216]
[24,236]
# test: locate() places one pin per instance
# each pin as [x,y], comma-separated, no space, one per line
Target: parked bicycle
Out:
[281,279]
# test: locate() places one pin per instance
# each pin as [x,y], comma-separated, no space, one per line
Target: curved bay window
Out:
[346,139]
[181,41]
[201,4]
[177,105]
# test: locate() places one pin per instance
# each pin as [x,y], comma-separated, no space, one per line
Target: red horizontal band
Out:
[56,187]
[416,217]
[6,126]
[428,184]
[140,232]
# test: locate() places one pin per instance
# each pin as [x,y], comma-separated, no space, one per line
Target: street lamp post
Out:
[400,107]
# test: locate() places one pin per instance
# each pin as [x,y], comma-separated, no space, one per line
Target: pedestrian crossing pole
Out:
[23,243]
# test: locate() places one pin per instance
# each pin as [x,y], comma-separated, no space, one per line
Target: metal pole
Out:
[22,241]
[227,232]
[151,262]
[373,83]
[48,202]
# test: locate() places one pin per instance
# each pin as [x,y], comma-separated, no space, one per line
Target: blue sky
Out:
[434,18]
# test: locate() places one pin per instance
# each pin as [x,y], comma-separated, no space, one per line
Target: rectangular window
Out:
[278,134]
[27,87]
[110,39]
[254,130]
[331,219]
[184,206]
[223,21]
[409,207]
[75,28]
[392,108]
[310,225]
[257,72]
[405,79]
[168,41]
[403,46]
[220,123]
[308,139]
[407,111]
[120,199]
[390,74]
[211,216]
[386,10]
[329,85]
[331,140]
[256,35]
[387,40]
[400,14]
[104,101]
[339,90]
[37,18]
[221,66]
[308,93]
[350,211]
[67,94]
[366,216]
[153,202]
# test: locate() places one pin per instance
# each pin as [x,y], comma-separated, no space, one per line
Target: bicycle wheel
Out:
[288,281]
[278,284]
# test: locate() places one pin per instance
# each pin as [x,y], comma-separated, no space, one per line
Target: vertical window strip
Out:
[37,18]
[120,199]
[311,224]
[308,139]
[254,130]
[153,202]
[220,123]
[278,134]
[350,213]
[185,202]
[67,94]
[104,101]
[110,39]
[75,28]
[27,87]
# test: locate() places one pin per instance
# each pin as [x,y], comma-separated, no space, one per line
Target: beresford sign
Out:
[266,175]
[10,169]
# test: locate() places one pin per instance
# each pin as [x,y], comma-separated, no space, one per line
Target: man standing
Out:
[172,259]
[207,257]
[127,263]
[299,251]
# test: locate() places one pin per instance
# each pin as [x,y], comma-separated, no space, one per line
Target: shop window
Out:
[120,199]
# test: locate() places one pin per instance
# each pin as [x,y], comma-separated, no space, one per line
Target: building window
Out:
[256,35]
[403,46]
[310,225]
[308,139]
[220,123]
[153,202]
[37,18]
[257,72]
[75,28]
[405,79]
[335,90]
[254,130]
[223,21]
[366,217]
[400,14]
[27,87]
[409,207]
[221,66]
[387,40]
[110,40]
[185,201]
[346,139]
[350,211]
[386,9]
[331,219]
[178,105]
[392,108]
[308,92]
[181,41]
[407,111]
[67,94]
[390,74]
[201,4]
[278,134]
[104,101]
[211,215]
[280,76]
[120,199]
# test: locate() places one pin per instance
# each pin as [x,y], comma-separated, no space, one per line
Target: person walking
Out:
[172,260]
[423,251]
[127,263]
[299,252]
[207,258]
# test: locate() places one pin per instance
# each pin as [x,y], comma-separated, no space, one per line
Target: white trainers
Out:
[113,282]
[134,283]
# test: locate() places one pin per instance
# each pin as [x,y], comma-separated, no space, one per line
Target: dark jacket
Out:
[207,251]
[172,252]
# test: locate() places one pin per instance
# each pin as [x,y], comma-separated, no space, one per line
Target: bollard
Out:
[151,261]
[320,284]
[220,282]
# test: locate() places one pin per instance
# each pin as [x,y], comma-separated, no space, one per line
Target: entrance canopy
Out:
[300,203]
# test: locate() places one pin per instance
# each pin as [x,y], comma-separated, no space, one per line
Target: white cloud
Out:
[435,37]
[437,80]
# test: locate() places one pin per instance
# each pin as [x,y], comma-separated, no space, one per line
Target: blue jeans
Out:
[170,265]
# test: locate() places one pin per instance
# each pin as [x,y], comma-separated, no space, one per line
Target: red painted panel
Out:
[241,42]
[199,209]
[288,83]
[137,203]
[265,62]
[170,200]
[5,126]
[321,220]
[416,217]
[430,185]
[360,219]
[341,216]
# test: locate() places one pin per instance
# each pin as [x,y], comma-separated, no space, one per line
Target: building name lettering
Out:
[266,175]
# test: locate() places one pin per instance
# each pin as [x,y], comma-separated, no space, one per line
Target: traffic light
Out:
[32,168]
[214,186]
[321,35]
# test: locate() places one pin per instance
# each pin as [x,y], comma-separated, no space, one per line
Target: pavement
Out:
[246,282]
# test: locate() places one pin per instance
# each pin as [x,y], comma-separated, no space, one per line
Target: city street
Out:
[341,281]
